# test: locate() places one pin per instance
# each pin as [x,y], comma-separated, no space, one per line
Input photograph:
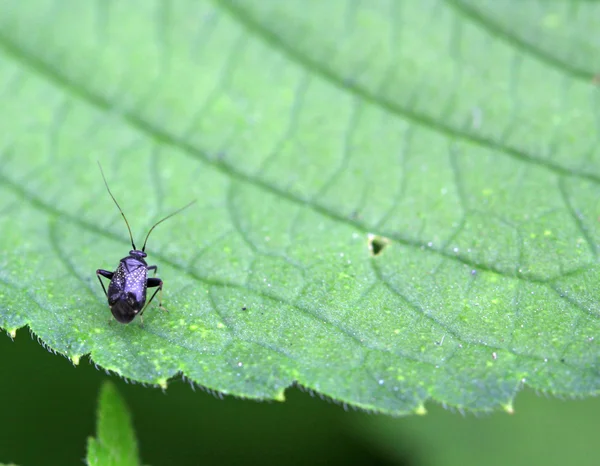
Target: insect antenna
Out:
[118,207]
[160,221]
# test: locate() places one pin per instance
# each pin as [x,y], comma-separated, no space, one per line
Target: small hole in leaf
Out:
[377,244]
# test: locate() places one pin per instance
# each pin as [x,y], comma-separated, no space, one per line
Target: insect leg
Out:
[152,283]
[104,273]
[153,267]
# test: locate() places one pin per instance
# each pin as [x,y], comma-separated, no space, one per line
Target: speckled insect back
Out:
[128,284]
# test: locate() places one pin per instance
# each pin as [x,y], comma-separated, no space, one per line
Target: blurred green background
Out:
[48,410]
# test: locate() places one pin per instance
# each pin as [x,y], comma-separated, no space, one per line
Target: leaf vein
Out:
[487,23]
[455,334]
[244,18]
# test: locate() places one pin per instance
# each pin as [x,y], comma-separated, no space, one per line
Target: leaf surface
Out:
[397,201]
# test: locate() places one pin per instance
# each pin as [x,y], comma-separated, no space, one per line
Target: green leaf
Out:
[397,201]
[115,443]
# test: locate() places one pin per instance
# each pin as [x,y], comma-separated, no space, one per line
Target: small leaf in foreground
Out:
[115,442]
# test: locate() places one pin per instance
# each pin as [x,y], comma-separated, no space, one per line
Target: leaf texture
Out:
[397,201]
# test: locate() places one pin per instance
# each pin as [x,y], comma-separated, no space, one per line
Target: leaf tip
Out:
[421,410]
[115,441]
[12,333]
[162,383]
[509,408]
[75,359]
[280,395]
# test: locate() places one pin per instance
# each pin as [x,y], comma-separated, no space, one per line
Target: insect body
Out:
[128,284]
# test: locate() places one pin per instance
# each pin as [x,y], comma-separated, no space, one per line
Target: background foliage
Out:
[49,410]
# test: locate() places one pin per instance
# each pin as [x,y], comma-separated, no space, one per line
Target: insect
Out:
[128,284]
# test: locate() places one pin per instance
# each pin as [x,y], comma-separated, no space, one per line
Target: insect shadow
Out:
[128,284]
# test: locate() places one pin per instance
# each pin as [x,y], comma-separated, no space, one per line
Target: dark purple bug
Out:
[128,284]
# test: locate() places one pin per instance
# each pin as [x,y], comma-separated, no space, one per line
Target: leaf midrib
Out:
[475,16]
[296,55]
